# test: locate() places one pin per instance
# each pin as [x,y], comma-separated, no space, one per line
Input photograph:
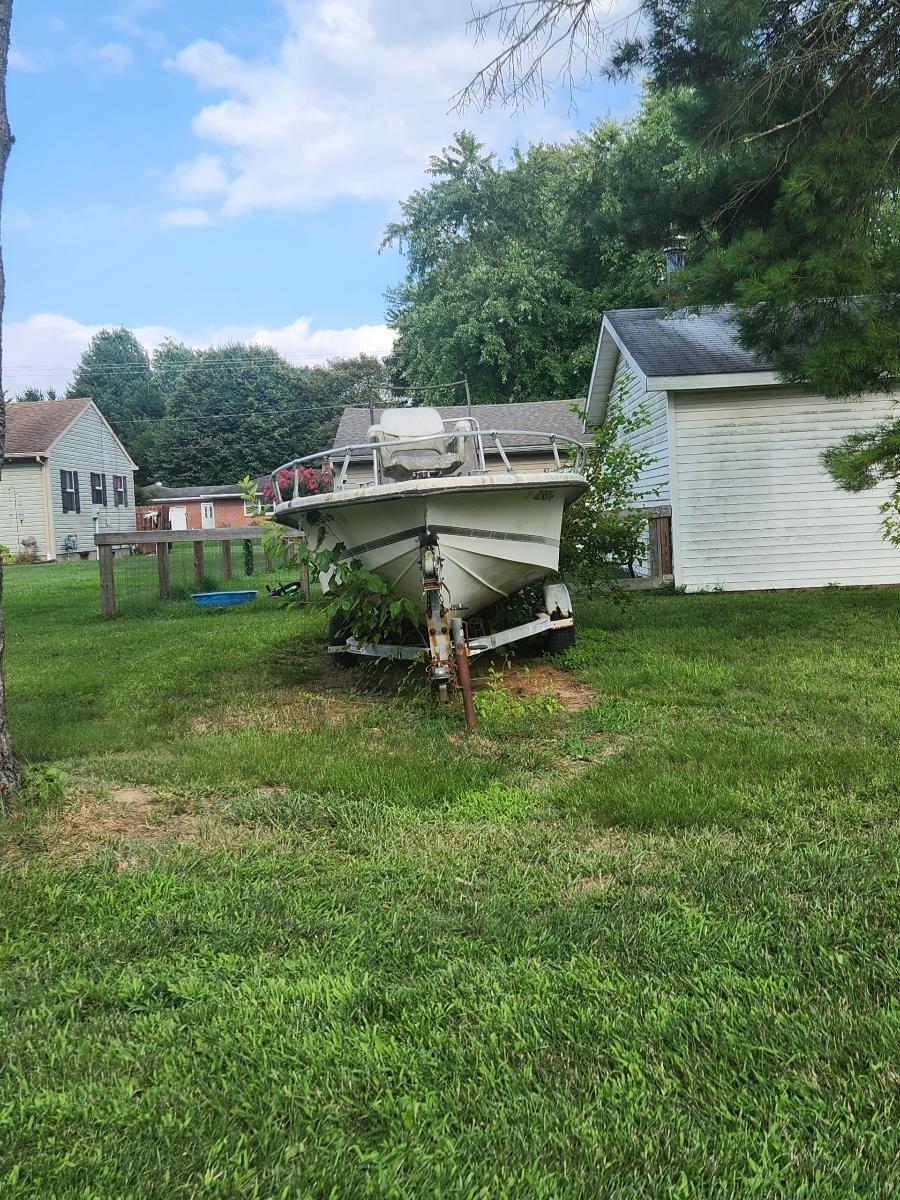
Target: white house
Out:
[65,476]
[737,457]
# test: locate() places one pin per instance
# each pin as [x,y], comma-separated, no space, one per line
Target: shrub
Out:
[600,530]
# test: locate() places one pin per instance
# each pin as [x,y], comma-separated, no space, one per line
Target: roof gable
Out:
[32,428]
[35,428]
[672,351]
[212,491]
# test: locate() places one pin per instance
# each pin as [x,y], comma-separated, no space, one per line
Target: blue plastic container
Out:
[216,599]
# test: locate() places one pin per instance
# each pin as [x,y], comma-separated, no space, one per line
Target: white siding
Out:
[652,485]
[755,508]
[86,446]
[22,506]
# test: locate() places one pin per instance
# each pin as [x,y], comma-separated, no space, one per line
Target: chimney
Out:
[675,257]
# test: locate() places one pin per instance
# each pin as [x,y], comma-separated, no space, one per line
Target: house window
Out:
[68,484]
[98,488]
[120,491]
[254,508]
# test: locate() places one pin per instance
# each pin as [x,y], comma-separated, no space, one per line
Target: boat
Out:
[444,531]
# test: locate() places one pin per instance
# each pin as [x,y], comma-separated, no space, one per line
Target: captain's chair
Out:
[440,452]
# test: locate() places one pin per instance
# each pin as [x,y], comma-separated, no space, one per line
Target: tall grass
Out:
[648,948]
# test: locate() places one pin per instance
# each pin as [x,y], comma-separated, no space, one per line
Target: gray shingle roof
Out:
[194,493]
[683,343]
[32,428]
[543,416]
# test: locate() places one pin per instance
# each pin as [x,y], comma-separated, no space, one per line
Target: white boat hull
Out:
[496,533]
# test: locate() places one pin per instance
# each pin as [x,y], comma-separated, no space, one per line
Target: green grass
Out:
[648,948]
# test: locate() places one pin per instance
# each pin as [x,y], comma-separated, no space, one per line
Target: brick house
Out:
[212,506]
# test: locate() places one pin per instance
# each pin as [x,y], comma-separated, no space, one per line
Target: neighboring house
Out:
[211,506]
[530,453]
[738,457]
[65,476]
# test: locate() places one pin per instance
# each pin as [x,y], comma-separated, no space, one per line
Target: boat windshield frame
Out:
[574,450]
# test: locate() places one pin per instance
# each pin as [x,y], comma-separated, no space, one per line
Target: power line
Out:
[192,364]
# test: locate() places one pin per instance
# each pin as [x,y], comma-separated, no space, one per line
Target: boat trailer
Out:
[449,649]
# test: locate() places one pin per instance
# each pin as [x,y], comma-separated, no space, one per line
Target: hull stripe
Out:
[455,531]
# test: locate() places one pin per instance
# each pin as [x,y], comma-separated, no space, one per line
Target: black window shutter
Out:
[125,490]
[65,494]
[77,497]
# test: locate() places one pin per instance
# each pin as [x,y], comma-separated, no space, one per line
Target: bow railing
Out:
[568,455]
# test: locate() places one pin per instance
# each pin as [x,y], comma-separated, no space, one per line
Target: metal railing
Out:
[573,450]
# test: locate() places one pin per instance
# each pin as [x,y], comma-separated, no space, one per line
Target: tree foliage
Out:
[794,109]
[190,416]
[600,528]
[115,372]
[240,409]
[33,395]
[509,267]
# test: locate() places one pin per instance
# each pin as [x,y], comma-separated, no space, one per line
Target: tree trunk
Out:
[10,770]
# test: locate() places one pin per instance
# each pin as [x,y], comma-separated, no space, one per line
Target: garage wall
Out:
[652,485]
[753,506]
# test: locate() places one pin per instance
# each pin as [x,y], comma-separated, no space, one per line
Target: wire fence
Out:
[142,583]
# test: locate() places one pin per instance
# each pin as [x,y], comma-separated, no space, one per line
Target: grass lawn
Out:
[284,940]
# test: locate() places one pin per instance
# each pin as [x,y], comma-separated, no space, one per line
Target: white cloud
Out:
[185,218]
[203,176]
[21,62]
[44,349]
[116,56]
[352,105]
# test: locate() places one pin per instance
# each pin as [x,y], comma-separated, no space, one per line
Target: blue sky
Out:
[218,168]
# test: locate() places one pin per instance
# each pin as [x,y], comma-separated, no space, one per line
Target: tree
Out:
[601,529]
[796,109]
[244,409]
[863,460]
[10,769]
[508,268]
[115,371]
[33,395]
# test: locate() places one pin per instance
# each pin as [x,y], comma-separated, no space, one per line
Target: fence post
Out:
[162,568]
[267,555]
[304,581]
[226,561]
[107,581]
[198,562]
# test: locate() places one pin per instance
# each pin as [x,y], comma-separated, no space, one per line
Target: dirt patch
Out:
[125,814]
[526,680]
[567,767]
[284,709]
[590,885]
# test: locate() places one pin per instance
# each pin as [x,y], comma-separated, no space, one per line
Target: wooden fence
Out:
[162,540]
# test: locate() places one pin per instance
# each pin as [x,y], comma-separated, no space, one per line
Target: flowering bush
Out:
[310,482]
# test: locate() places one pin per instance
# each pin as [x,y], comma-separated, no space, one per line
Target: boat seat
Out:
[439,452]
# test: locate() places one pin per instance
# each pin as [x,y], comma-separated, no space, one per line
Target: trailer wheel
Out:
[338,631]
[558,641]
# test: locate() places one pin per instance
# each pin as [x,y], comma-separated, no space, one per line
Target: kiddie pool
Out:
[215,599]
